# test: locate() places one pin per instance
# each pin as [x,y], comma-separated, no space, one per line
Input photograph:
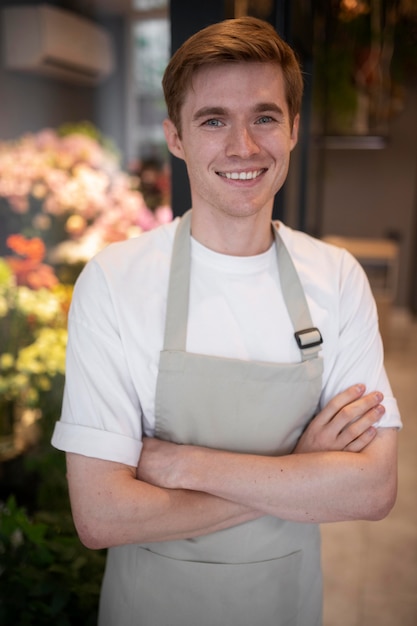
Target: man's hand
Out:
[345,423]
[159,463]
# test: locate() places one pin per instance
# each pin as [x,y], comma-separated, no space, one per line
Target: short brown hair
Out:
[241,39]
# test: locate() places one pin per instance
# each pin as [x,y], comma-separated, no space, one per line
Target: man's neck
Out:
[235,236]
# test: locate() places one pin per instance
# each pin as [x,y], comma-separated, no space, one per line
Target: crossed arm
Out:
[342,468]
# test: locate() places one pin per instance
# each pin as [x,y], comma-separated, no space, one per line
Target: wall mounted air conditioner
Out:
[54,42]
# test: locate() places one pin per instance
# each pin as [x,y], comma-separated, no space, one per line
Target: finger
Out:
[350,416]
[339,401]
[357,428]
[362,441]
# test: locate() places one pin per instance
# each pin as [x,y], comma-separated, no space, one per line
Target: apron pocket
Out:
[171,592]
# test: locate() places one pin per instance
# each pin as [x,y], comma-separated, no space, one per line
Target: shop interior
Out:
[84,77]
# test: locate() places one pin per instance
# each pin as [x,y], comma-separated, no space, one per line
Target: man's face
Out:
[236,138]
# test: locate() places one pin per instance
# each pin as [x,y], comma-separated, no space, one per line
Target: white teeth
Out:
[242,175]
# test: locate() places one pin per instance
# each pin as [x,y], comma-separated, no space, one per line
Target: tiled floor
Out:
[370,568]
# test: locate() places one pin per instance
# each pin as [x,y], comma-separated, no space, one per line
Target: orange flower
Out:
[29,270]
[34,248]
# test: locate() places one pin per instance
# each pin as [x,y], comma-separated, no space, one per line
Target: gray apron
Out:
[264,572]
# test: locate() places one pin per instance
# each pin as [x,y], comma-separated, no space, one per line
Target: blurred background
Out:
[83,163]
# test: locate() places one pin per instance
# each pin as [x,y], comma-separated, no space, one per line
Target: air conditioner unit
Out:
[54,42]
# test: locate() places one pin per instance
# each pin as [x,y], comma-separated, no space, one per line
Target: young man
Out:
[245,342]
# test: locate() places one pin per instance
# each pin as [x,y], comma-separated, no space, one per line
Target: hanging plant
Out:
[363,57]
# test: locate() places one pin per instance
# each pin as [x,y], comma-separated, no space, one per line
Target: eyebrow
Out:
[210,111]
[263,107]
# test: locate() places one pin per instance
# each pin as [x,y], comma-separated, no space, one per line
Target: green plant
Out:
[46,575]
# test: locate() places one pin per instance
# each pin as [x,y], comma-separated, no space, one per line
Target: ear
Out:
[294,131]
[173,139]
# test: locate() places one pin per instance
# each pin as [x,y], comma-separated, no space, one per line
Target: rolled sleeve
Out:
[96,443]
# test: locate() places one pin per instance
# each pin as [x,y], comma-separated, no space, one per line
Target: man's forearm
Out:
[318,487]
[181,492]
[312,487]
[111,507]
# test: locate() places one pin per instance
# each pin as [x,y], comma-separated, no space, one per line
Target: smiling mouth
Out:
[242,175]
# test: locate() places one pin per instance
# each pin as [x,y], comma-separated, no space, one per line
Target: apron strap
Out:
[179,287]
[308,337]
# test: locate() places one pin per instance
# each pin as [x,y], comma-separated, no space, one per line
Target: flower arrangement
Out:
[63,197]
[33,320]
[66,187]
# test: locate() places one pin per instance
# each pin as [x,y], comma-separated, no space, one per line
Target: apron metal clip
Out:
[308,338]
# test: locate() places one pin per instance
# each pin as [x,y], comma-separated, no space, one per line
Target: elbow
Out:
[90,534]
[385,507]
[91,542]
[383,501]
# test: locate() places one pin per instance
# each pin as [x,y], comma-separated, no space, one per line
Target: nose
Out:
[241,142]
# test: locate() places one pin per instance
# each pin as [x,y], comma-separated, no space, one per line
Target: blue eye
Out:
[213,122]
[265,119]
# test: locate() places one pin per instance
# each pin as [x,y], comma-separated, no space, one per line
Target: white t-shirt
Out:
[236,310]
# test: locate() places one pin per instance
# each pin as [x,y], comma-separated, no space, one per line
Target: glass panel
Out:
[151,55]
